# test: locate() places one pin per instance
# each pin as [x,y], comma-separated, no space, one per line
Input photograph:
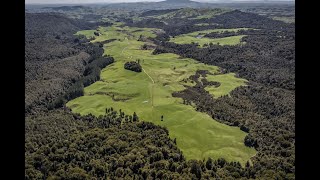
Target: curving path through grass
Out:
[148,75]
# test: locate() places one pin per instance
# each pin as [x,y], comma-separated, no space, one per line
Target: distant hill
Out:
[65,8]
[177,1]
[181,2]
[176,4]
[185,13]
[169,4]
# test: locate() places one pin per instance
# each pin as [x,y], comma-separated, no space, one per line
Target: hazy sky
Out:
[116,1]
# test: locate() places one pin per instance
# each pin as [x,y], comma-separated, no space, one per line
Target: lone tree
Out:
[161,117]
[133,66]
[96,33]
[144,47]
[247,164]
[196,169]
[135,117]
[209,164]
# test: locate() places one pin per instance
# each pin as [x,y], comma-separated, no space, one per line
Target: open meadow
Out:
[198,37]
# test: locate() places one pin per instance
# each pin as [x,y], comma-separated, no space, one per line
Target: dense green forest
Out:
[55,59]
[60,144]
[63,145]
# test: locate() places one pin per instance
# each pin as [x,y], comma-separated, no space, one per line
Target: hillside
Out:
[187,13]
[54,57]
[168,4]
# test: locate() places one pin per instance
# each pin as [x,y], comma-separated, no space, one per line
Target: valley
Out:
[149,94]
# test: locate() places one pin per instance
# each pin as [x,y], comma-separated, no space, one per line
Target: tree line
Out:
[91,74]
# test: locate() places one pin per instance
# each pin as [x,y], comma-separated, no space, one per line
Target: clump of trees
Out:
[133,66]
[92,70]
[96,33]
[147,47]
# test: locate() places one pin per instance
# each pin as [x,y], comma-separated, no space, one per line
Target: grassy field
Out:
[284,19]
[148,93]
[196,37]
[202,24]
[228,83]
[192,13]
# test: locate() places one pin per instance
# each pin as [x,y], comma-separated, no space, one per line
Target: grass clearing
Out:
[197,37]
[285,19]
[202,24]
[149,95]
[228,83]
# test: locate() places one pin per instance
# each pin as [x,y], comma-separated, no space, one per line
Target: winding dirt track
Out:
[148,76]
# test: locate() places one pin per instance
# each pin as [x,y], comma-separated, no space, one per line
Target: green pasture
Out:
[148,93]
[197,37]
[192,13]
